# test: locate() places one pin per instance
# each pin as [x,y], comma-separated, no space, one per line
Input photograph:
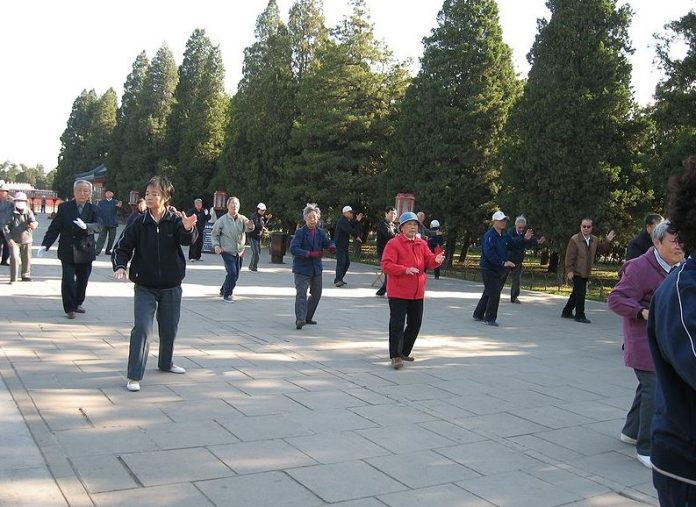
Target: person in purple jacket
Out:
[630,298]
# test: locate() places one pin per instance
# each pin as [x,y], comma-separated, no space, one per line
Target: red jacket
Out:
[401,253]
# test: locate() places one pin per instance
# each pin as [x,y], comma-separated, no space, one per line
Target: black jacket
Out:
[260,222]
[638,245]
[344,230]
[70,234]
[385,232]
[517,248]
[158,261]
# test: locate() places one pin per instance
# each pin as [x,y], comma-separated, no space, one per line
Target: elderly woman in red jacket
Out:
[630,298]
[404,261]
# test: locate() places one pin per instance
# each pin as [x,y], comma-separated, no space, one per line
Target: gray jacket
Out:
[17,226]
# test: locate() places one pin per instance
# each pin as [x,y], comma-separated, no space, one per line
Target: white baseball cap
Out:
[499,215]
[20,196]
[434,223]
[347,208]
[3,185]
[261,206]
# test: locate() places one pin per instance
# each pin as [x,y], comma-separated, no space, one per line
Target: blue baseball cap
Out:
[408,216]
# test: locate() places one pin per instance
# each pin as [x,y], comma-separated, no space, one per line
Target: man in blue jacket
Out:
[108,213]
[494,253]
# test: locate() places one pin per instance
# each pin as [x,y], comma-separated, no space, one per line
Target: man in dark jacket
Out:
[76,222]
[260,219]
[494,253]
[643,241]
[386,230]
[346,226]
[108,212]
[516,255]
[202,217]
[157,270]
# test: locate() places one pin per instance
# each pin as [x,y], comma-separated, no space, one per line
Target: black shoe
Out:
[4,263]
[565,315]
[299,324]
[478,319]
[492,323]
[583,320]
[516,301]
[108,252]
[26,279]
[311,322]
[380,294]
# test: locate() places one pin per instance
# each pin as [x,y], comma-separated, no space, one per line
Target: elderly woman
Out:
[76,222]
[672,340]
[157,269]
[19,233]
[307,247]
[630,298]
[404,261]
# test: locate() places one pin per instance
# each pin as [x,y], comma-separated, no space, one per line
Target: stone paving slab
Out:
[527,414]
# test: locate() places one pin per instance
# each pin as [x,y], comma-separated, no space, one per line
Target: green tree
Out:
[575,134]
[674,113]
[451,124]
[197,124]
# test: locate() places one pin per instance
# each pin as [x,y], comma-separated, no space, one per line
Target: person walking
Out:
[202,216]
[108,212]
[157,269]
[346,226]
[307,248]
[229,238]
[582,249]
[671,332]
[260,219]
[404,261]
[76,222]
[494,263]
[643,241]
[630,298]
[516,255]
[386,230]
[18,230]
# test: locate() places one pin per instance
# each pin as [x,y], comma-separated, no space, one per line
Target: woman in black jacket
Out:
[157,270]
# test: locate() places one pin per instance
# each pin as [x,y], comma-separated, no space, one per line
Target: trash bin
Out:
[279,245]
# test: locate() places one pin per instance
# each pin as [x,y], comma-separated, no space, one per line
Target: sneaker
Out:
[478,319]
[492,323]
[644,460]
[311,322]
[516,301]
[380,294]
[177,369]
[627,440]
[133,385]
[228,299]
[26,279]
[340,283]
[79,309]
[583,320]
[397,363]
[408,358]
[299,324]
[565,315]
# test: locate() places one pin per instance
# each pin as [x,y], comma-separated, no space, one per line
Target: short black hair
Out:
[652,218]
[389,209]
[164,186]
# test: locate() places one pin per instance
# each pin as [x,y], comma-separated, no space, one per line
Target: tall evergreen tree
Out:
[450,128]
[574,133]
[261,115]
[197,123]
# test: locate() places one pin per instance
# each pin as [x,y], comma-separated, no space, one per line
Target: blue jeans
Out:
[233,264]
[305,308]
[342,264]
[166,303]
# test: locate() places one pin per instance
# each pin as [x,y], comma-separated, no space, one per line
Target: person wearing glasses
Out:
[579,258]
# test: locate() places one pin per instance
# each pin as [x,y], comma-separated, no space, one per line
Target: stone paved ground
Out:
[527,414]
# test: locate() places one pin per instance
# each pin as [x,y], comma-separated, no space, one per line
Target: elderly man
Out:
[229,237]
[202,217]
[643,241]
[260,219]
[516,255]
[108,213]
[423,229]
[494,254]
[76,222]
[346,226]
[579,259]
[6,207]
[630,298]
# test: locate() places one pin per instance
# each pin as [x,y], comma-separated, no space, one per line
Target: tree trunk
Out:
[466,241]
[450,248]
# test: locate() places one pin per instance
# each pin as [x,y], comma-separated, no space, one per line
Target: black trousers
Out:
[342,264]
[196,248]
[5,245]
[673,493]
[487,307]
[410,312]
[111,233]
[576,301]
[74,284]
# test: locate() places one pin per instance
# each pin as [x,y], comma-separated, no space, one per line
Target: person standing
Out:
[346,226]
[386,230]
[260,219]
[516,255]
[229,238]
[18,229]
[202,217]
[630,298]
[494,263]
[108,212]
[76,222]
[643,241]
[307,248]
[6,207]
[43,204]
[404,261]
[157,269]
[435,243]
[671,332]
[580,255]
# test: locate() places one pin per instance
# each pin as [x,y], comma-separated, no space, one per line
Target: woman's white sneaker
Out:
[133,385]
[177,369]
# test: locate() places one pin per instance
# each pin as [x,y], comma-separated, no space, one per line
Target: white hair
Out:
[521,220]
[309,208]
[83,182]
